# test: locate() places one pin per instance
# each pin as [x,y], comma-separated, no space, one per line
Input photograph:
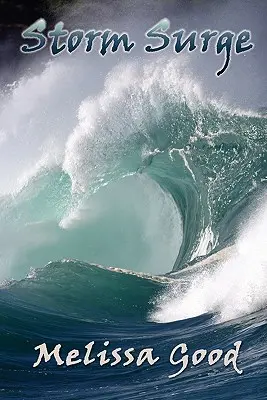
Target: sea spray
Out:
[234,288]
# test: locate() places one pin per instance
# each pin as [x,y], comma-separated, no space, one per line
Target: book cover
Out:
[133,205]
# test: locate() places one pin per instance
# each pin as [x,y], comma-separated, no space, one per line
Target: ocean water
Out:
[163,187]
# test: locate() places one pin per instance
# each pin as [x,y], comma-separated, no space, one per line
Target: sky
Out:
[246,79]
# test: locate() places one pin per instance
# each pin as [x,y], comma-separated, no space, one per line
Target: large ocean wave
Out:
[146,174]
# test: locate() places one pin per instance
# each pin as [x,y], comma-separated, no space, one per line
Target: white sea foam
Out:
[126,108]
[237,287]
[58,106]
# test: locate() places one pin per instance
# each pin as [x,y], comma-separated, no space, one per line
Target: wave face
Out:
[151,176]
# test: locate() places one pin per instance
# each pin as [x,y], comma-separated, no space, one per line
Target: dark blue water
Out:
[92,310]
